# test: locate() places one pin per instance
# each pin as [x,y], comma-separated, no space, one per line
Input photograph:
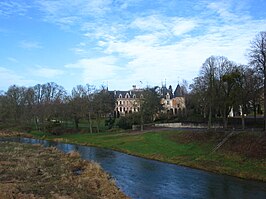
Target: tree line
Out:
[49,107]
[223,85]
[48,104]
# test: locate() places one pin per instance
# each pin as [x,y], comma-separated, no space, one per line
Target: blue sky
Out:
[121,42]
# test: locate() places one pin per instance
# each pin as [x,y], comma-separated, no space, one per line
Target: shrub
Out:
[127,121]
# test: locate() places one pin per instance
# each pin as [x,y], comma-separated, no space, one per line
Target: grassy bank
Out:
[31,171]
[242,156]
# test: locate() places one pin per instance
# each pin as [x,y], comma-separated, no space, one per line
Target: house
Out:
[173,102]
[127,102]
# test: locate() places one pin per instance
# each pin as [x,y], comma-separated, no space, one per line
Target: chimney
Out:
[134,87]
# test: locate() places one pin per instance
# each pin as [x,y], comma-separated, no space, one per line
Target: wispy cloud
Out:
[166,47]
[46,72]
[97,70]
[144,40]
[12,59]
[8,8]
[69,12]
[30,44]
[9,77]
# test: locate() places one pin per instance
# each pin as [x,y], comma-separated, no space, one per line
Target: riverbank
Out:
[32,171]
[243,156]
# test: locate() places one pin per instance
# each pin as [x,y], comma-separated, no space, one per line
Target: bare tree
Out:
[257,57]
[81,104]
[208,72]
[215,87]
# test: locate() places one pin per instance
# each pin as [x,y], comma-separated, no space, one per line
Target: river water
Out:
[149,179]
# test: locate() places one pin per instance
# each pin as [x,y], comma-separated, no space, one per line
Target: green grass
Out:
[166,146]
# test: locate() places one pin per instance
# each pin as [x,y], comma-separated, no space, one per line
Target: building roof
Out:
[178,91]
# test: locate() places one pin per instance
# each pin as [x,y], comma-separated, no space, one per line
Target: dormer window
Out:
[120,96]
[127,95]
[134,96]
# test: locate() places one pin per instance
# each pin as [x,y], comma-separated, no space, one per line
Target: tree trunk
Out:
[210,118]
[225,119]
[264,128]
[76,122]
[141,122]
[243,121]
[90,126]
[36,123]
[97,123]
[254,110]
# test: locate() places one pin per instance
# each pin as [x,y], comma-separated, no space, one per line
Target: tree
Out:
[198,100]
[150,104]
[207,72]
[48,100]
[227,77]
[81,104]
[257,59]
[103,105]
[215,87]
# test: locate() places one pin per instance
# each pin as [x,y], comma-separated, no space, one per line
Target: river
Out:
[149,179]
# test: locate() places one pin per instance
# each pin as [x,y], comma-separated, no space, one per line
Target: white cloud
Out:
[12,59]
[8,8]
[182,26]
[180,55]
[30,44]
[46,72]
[80,48]
[9,77]
[69,12]
[148,44]
[97,70]
[168,25]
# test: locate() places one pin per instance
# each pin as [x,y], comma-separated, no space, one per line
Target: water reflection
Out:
[142,178]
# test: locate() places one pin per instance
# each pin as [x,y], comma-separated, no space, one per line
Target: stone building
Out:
[127,102]
[173,102]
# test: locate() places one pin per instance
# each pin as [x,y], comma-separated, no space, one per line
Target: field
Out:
[242,156]
[31,172]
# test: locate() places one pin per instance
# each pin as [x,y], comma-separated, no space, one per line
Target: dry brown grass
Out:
[248,144]
[31,172]
[10,133]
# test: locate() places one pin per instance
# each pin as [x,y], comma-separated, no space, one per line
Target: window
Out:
[120,96]
[127,95]
[134,96]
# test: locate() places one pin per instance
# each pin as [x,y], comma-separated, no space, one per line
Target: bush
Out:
[127,121]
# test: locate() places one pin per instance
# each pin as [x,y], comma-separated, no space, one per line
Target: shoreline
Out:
[155,157]
[48,172]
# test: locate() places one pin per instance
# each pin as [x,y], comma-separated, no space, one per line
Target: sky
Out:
[120,43]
